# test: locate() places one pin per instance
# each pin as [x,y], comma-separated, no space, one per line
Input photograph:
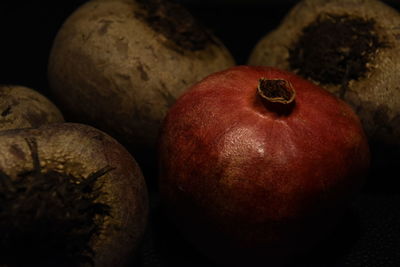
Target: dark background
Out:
[369,235]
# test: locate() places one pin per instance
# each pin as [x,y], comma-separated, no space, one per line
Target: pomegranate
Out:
[257,163]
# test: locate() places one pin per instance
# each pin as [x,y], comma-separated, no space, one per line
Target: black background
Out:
[369,235]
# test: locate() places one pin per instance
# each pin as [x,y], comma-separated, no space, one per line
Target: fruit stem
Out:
[276,90]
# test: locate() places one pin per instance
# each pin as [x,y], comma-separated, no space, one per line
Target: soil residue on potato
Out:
[336,49]
[36,118]
[175,23]
[7,111]
[47,218]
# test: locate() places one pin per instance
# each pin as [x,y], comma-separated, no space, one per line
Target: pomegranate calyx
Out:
[276,90]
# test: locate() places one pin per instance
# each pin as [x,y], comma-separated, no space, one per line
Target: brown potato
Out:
[70,194]
[119,65]
[22,107]
[351,48]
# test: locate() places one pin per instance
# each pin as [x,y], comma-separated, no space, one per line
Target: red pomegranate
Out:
[257,163]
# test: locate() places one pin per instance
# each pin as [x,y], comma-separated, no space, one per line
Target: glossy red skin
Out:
[237,177]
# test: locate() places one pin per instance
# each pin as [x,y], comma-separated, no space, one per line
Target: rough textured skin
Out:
[376,97]
[236,175]
[81,150]
[22,107]
[110,69]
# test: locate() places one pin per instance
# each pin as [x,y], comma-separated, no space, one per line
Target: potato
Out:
[22,107]
[70,195]
[119,65]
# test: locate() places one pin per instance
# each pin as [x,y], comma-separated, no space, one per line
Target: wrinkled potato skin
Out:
[110,69]
[375,97]
[22,107]
[80,150]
